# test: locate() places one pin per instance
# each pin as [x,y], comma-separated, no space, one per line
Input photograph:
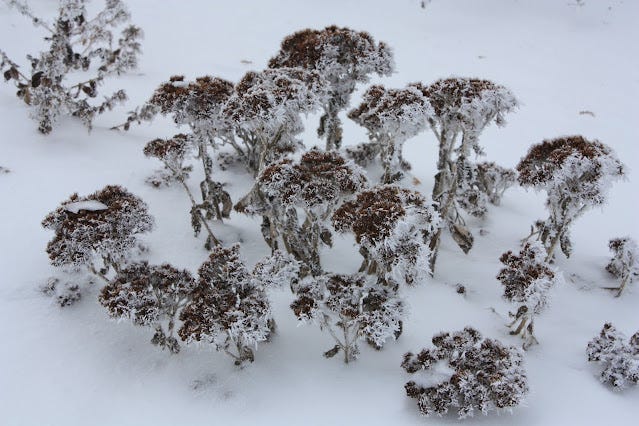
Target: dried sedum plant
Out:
[463,108]
[576,175]
[624,264]
[618,360]
[229,307]
[343,57]
[350,308]
[150,296]
[97,232]
[78,45]
[314,186]
[527,277]
[392,227]
[216,201]
[467,373]
[391,116]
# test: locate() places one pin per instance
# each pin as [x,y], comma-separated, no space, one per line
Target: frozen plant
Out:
[315,185]
[468,373]
[81,53]
[98,232]
[463,108]
[493,180]
[527,277]
[172,153]
[392,116]
[267,108]
[392,227]
[624,264]
[198,105]
[150,296]
[576,174]
[350,308]
[617,359]
[229,307]
[343,57]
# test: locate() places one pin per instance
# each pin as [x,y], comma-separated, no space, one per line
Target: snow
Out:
[89,205]
[75,366]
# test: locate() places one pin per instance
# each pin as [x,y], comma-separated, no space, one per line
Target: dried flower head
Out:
[202,99]
[342,57]
[617,358]
[318,178]
[335,52]
[149,295]
[373,215]
[527,277]
[483,375]
[104,224]
[468,104]
[228,308]
[351,303]
[560,157]
[402,113]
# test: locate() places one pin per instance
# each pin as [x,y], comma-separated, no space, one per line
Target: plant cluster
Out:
[78,45]
[577,175]
[526,278]
[259,118]
[617,358]
[482,375]
[304,197]
[226,306]
[624,264]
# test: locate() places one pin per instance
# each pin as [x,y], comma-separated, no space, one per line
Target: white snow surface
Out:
[89,205]
[574,69]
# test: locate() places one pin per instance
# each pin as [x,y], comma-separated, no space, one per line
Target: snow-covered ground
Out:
[75,366]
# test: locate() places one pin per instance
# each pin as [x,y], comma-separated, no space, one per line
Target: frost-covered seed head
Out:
[483,375]
[105,223]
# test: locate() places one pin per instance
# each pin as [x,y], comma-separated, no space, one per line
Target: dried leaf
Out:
[462,237]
